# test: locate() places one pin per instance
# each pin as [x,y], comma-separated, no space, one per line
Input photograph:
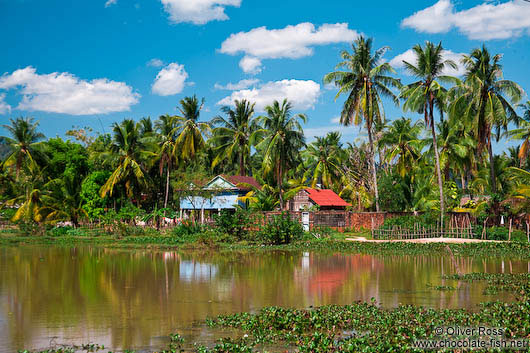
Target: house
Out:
[323,199]
[220,193]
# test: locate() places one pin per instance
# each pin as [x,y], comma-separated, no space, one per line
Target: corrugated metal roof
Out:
[326,197]
[241,181]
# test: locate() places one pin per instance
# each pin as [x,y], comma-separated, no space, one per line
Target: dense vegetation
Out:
[142,168]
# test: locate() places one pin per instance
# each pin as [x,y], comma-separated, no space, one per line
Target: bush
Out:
[236,223]
[59,231]
[427,219]
[281,230]
[502,233]
[187,229]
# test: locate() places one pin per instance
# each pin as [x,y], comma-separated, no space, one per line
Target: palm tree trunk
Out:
[167,186]
[280,177]
[372,162]
[493,179]
[241,164]
[437,159]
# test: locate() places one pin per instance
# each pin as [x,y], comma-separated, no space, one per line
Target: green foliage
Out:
[281,229]
[502,233]
[392,193]
[427,219]
[236,223]
[93,203]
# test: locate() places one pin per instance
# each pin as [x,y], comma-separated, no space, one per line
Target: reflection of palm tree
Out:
[365,80]
[23,143]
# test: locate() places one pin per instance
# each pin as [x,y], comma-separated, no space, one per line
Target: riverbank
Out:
[339,244]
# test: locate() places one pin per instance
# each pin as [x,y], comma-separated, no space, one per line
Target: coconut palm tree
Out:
[364,78]
[426,94]
[522,132]
[166,125]
[64,200]
[129,152]
[23,143]
[485,100]
[324,160]
[283,139]
[403,143]
[190,131]
[231,137]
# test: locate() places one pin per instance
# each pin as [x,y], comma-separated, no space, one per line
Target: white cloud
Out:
[198,12]
[155,62]
[302,94]
[290,42]
[237,86]
[170,80]
[4,107]
[336,120]
[482,22]
[409,56]
[110,3]
[65,93]
[250,65]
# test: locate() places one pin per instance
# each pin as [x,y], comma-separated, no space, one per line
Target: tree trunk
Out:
[241,164]
[372,162]
[167,187]
[280,178]
[437,159]
[463,181]
[493,179]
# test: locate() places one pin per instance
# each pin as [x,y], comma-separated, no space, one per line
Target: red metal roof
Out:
[326,197]
[241,181]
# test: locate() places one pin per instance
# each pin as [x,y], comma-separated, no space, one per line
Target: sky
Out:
[92,63]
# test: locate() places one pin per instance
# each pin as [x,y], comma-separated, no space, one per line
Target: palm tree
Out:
[190,131]
[232,137]
[23,144]
[168,152]
[426,94]
[522,132]
[64,200]
[484,101]
[365,80]
[324,158]
[129,151]
[283,139]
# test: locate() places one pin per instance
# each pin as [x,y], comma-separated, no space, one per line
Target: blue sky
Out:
[91,63]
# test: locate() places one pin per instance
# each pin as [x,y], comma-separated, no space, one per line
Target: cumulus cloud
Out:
[250,65]
[155,63]
[290,42]
[482,22]
[335,120]
[170,80]
[237,86]
[65,93]
[409,56]
[110,3]
[4,107]
[198,12]
[302,94]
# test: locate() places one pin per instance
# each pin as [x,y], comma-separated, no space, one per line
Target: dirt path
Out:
[425,241]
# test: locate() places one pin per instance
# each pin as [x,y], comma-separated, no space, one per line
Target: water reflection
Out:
[134,299]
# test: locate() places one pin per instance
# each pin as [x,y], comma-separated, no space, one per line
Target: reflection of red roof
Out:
[326,197]
[241,181]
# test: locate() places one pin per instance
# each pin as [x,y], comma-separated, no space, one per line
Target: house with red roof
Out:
[323,199]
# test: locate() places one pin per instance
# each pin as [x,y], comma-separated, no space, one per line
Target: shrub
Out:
[186,230]
[427,219]
[281,230]
[59,231]
[235,223]
[502,233]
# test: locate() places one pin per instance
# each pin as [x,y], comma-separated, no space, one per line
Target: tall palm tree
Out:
[190,131]
[231,137]
[129,153]
[403,143]
[364,79]
[23,142]
[166,126]
[485,100]
[324,160]
[426,94]
[283,139]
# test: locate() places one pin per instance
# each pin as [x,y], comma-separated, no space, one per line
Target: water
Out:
[136,298]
